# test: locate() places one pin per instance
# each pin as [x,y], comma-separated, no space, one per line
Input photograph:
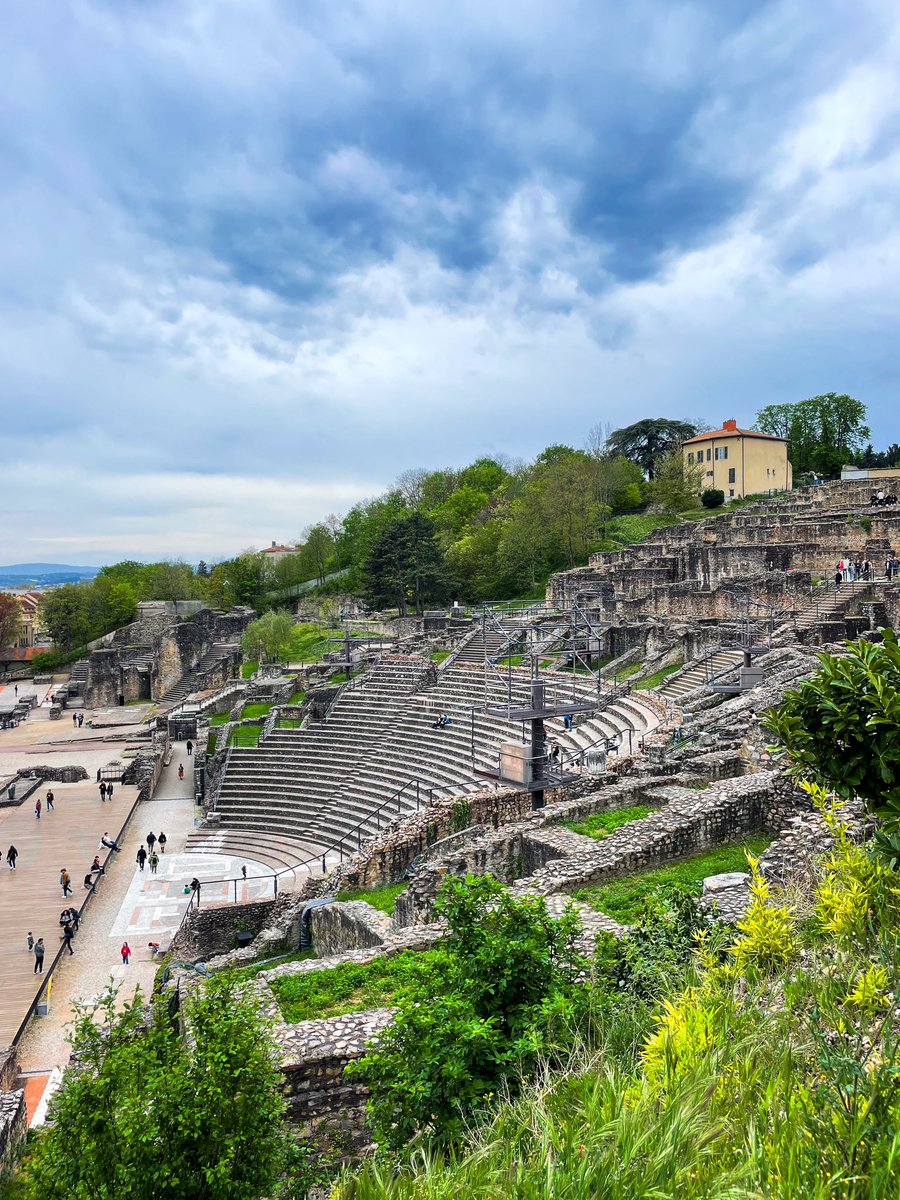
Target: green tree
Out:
[502,994]
[66,613]
[676,484]
[841,729]
[824,431]
[318,547]
[10,619]
[152,1115]
[405,565]
[268,636]
[646,442]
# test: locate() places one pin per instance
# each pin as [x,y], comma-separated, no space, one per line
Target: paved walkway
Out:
[138,907]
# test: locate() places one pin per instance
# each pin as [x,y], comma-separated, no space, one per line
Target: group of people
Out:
[38,805]
[149,856]
[442,721]
[78,719]
[855,570]
[880,500]
[106,790]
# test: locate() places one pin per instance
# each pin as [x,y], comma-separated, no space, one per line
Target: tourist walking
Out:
[161,842]
[11,855]
[103,792]
[195,888]
[141,857]
[37,809]
[80,720]
[65,882]
[30,940]
[109,790]
[190,748]
[837,581]
[154,862]
[49,802]
[181,770]
[75,719]
[39,957]
[151,841]
[67,936]
[126,953]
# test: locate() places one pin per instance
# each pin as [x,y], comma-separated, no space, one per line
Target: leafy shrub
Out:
[767,942]
[500,993]
[712,497]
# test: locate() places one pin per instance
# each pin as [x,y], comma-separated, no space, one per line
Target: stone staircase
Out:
[698,674]
[833,602]
[378,756]
[193,679]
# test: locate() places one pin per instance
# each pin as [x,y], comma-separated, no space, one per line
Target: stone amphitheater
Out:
[714,618]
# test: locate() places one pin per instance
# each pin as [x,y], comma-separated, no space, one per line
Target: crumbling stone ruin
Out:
[164,656]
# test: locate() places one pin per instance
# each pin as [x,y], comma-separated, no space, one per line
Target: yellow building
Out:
[740,461]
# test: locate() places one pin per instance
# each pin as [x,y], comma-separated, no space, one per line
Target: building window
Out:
[731,493]
[731,475]
[710,474]
[690,458]
[721,453]
[709,456]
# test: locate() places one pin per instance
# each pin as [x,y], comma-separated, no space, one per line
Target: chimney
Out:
[730,425]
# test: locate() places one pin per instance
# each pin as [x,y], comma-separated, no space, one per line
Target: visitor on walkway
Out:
[108,842]
[75,719]
[151,840]
[49,802]
[103,792]
[95,865]
[244,870]
[109,790]
[154,949]
[126,953]
[67,938]
[195,888]
[39,957]
[88,883]
[74,918]
[37,809]
[154,862]
[180,771]
[837,580]
[141,857]
[80,720]
[190,748]
[30,942]
[11,855]
[65,882]
[161,842]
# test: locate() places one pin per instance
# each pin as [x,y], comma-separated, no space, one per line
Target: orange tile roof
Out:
[731,432]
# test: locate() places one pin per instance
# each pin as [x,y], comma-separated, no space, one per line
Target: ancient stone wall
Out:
[350,925]
[211,930]
[13,1128]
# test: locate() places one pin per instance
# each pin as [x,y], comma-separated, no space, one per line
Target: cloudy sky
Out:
[259,256]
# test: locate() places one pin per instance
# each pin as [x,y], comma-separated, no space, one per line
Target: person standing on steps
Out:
[151,841]
[38,956]
[141,857]
[49,802]
[126,953]
[65,882]
[161,842]
[11,855]
[190,748]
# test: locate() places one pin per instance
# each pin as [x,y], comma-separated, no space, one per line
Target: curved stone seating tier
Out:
[345,777]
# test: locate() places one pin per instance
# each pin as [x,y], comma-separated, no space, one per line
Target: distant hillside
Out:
[43,574]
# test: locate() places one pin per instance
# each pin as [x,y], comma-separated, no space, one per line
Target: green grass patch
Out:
[627,672]
[245,736]
[289,723]
[211,739]
[381,898]
[438,656]
[657,677]
[622,899]
[348,988]
[268,964]
[297,698]
[220,719]
[249,668]
[514,660]
[601,825]
[256,710]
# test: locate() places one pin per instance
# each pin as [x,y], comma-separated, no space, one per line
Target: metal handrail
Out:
[57,958]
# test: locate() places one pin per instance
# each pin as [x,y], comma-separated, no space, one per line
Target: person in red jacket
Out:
[126,953]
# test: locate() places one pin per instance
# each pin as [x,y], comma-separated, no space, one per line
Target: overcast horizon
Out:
[261,258]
